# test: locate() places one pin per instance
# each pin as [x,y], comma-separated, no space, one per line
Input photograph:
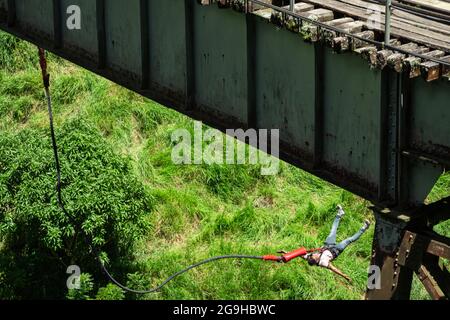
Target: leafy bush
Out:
[105,200]
[85,290]
[110,292]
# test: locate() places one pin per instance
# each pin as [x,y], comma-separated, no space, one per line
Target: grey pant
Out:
[331,240]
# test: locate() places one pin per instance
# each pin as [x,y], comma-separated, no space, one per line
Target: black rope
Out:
[56,156]
[74,221]
[172,277]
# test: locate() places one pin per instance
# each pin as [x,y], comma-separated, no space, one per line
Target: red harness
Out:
[290,255]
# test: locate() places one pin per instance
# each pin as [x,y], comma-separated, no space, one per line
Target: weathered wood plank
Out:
[368,53]
[356,43]
[342,45]
[292,23]
[383,55]
[402,16]
[278,17]
[430,70]
[320,14]
[399,29]
[432,4]
[412,64]
[328,35]
[395,61]
[266,14]
[421,22]
[446,69]
[311,32]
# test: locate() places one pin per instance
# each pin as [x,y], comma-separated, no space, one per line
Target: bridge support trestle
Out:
[404,245]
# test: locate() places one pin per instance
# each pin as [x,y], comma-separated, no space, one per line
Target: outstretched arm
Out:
[339,272]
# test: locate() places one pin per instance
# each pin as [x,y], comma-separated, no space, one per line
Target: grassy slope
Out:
[201,211]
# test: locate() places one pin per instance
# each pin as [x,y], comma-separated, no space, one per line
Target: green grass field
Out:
[199,211]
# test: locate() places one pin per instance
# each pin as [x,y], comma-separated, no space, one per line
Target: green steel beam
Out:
[377,134]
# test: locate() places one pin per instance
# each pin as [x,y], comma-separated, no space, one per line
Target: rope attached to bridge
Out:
[282,259]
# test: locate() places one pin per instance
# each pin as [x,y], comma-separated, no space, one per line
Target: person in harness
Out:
[330,251]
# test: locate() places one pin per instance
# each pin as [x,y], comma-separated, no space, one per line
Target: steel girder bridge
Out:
[381,133]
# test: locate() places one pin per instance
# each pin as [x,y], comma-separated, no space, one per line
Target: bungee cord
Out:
[46,81]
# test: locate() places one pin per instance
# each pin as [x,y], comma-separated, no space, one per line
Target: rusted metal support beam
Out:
[430,283]
[400,252]
[411,251]
[396,280]
[404,129]
[389,110]
[439,273]
[435,213]
[414,247]
[427,158]
[421,254]
[439,249]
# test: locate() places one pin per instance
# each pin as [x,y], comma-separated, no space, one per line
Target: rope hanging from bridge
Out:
[285,258]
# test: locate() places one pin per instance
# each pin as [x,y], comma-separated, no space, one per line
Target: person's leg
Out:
[344,244]
[331,239]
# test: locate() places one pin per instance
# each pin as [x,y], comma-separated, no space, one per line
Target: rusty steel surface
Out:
[407,245]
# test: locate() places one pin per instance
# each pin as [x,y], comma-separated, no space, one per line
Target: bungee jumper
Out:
[331,250]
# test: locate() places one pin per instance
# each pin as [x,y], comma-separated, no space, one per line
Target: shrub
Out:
[85,290]
[105,200]
[110,292]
